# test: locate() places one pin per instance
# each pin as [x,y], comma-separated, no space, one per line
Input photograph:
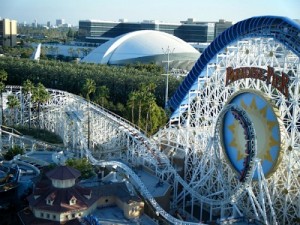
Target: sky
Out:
[172,11]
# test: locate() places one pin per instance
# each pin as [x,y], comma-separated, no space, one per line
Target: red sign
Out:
[270,76]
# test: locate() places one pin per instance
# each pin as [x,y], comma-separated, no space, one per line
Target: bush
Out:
[12,152]
[41,134]
[83,165]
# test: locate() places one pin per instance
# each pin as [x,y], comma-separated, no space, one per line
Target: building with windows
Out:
[221,26]
[101,31]
[8,32]
[60,22]
[63,201]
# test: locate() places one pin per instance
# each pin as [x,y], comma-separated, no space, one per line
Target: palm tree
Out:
[3,77]
[88,88]
[13,103]
[102,94]
[27,89]
[131,103]
[151,103]
[40,95]
[145,97]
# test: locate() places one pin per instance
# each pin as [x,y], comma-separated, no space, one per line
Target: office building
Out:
[8,32]
[221,26]
[101,31]
[35,23]
[60,22]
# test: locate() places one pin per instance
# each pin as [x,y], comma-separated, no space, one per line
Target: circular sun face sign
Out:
[266,124]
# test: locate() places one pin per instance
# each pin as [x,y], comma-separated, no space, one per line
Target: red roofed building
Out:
[63,201]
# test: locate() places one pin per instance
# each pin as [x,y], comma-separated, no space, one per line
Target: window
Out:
[54,216]
[42,214]
[73,215]
[73,201]
[48,215]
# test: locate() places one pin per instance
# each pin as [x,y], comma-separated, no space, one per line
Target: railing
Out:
[160,158]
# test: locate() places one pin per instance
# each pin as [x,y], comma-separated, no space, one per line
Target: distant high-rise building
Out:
[35,24]
[221,26]
[8,32]
[60,22]
[48,24]
[99,31]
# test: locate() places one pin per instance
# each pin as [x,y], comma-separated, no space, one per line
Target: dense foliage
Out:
[83,165]
[12,152]
[114,85]
[71,77]
[41,134]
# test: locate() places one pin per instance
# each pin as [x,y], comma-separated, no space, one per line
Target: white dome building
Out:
[145,46]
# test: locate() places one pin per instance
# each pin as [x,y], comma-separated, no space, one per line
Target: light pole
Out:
[167,52]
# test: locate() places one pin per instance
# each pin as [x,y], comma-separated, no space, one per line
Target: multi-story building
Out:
[221,26]
[60,22]
[8,32]
[62,200]
[101,31]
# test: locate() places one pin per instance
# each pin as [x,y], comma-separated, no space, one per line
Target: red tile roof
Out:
[61,199]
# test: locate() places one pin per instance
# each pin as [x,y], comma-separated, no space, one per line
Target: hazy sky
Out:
[137,10]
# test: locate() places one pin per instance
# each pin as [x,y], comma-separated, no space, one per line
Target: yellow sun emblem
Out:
[263,129]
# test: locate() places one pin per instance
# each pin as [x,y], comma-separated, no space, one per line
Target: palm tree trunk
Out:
[12,117]
[29,115]
[147,119]
[140,113]
[132,113]
[2,116]
[39,116]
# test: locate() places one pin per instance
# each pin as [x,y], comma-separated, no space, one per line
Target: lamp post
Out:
[167,52]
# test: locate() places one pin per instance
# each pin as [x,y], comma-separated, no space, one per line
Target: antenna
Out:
[167,52]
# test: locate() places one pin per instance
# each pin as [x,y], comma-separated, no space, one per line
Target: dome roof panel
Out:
[138,44]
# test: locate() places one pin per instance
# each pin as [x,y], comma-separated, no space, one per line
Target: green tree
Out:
[83,165]
[3,77]
[40,95]
[13,103]
[12,152]
[157,118]
[27,90]
[143,104]
[131,103]
[88,88]
[145,98]
[70,33]
[102,95]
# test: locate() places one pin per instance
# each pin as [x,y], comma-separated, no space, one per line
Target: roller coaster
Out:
[235,120]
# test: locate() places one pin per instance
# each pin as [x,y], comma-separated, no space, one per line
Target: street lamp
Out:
[167,52]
